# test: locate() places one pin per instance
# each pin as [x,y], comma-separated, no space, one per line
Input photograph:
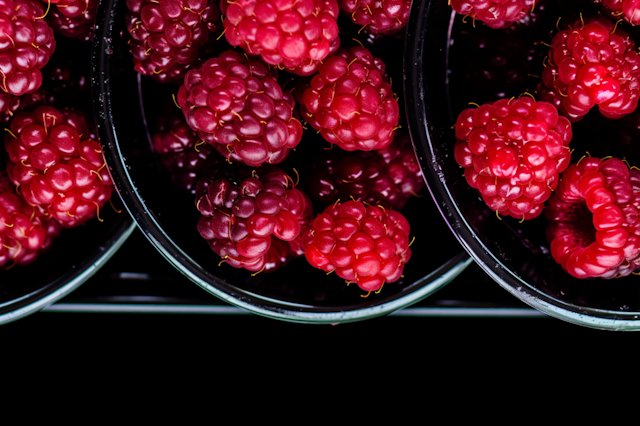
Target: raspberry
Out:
[166,35]
[25,231]
[365,245]
[629,10]
[591,64]
[594,216]
[240,222]
[8,105]
[56,166]
[74,18]
[182,156]
[236,104]
[351,103]
[26,43]
[386,177]
[512,151]
[494,13]
[378,16]
[295,34]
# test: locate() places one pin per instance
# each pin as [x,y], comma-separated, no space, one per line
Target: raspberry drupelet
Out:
[74,18]
[240,222]
[512,152]
[26,44]
[387,177]
[351,103]
[166,35]
[56,166]
[594,216]
[592,63]
[629,10]
[378,16]
[494,13]
[296,35]
[368,245]
[236,104]
[25,231]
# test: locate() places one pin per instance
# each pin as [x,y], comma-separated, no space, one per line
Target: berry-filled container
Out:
[537,204]
[47,251]
[205,237]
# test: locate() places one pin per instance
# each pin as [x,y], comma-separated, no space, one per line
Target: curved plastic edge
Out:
[71,285]
[414,86]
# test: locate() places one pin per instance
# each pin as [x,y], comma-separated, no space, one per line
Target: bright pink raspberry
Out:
[594,216]
[351,103]
[388,177]
[236,104]
[74,18]
[240,222]
[296,35]
[166,35]
[629,10]
[512,151]
[57,166]
[26,44]
[494,13]
[365,245]
[25,231]
[591,64]
[378,16]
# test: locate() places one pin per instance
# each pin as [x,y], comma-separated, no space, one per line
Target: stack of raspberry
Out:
[234,102]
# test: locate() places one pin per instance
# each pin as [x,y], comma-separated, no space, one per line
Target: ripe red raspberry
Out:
[512,151]
[166,35]
[25,231]
[386,177]
[57,166]
[294,34]
[365,245]
[240,221]
[351,103]
[26,43]
[629,10]
[74,18]
[236,104]
[594,215]
[591,64]
[494,13]
[378,16]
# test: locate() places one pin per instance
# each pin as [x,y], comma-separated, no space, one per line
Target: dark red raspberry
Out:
[240,221]
[293,34]
[378,16]
[365,245]
[629,10]
[386,177]
[57,166]
[183,156]
[26,43]
[236,104]
[591,64]
[594,215]
[494,13]
[8,105]
[351,103]
[25,231]
[166,35]
[512,151]
[74,18]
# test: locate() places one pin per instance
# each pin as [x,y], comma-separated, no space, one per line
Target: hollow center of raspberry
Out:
[582,219]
